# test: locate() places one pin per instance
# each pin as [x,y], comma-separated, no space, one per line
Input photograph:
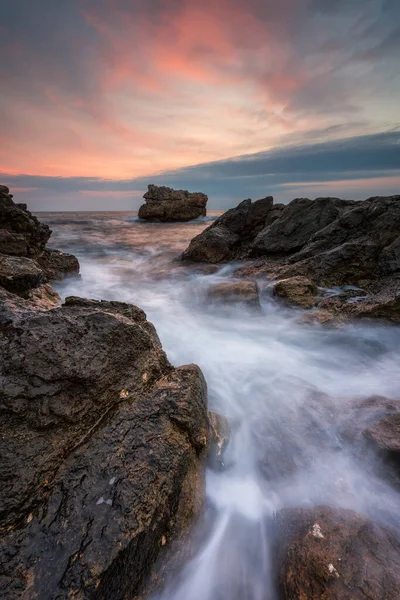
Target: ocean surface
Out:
[291,391]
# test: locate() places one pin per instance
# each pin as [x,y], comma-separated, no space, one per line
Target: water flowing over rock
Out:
[102,443]
[335,554]
[166,204]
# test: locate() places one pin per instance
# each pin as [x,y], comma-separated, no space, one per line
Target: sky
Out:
[235,98]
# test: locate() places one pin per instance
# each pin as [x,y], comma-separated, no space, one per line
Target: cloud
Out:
[357,166]
[121,89]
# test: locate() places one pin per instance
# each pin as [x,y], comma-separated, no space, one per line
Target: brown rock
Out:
[101,445]
[298,291]
[385,435]
[236,292]
[165,204]
[335,554]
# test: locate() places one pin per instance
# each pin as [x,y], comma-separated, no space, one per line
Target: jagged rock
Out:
[335,554]
[57,264]
[244,292]
[297,223]
[165,204]
[20,223]
[19,274]
[220,433]
[101,444]
[25,263]
[230,234]
[299,291]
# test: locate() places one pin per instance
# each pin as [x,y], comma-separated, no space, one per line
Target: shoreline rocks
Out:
[165,204]
[25,261]
[236,292]
[332,242]
[102,446]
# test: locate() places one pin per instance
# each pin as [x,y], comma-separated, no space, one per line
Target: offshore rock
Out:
[101,443]
[230,235]
[166,204]
[335,554]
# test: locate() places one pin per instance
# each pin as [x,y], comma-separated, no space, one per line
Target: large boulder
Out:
[385,436]
[335,554]
[229,236]
[101,444]
[166,204]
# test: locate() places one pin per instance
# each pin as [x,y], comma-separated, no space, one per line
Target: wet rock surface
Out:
[101,450]
[335,554]
[166,204]
[385,437]
[234,292]
[299,291]
[220,434]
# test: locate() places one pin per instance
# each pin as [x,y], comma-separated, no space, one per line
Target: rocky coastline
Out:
[104,442]
[314,245]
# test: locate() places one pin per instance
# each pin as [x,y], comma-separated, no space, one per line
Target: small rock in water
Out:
[234,292]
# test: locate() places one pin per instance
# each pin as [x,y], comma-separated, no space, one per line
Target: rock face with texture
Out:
[229,236]
[385,435]
[236,292]
[101,444]
[335,554]
[298,291]
[25,262]
[165,204]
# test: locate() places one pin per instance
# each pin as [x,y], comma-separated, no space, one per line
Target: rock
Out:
[236,292]
[385,436]
[165,204]
[20,225]
[335,554]
[299,291]
[318,317]
[57,264]
[228,236]
[297,223]
[101,443]
[220,433]
[19,274]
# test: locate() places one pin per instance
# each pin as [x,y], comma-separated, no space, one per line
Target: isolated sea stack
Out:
[165,204]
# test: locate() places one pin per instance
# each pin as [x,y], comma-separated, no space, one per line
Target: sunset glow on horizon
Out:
[120,90]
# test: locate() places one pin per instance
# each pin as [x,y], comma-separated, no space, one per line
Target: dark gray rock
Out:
[165,204]
[19,274]
[229,236]
[57,264]
[101,445]
[18,221]
[335,554]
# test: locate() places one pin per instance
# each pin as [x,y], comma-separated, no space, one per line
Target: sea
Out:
[291,391]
